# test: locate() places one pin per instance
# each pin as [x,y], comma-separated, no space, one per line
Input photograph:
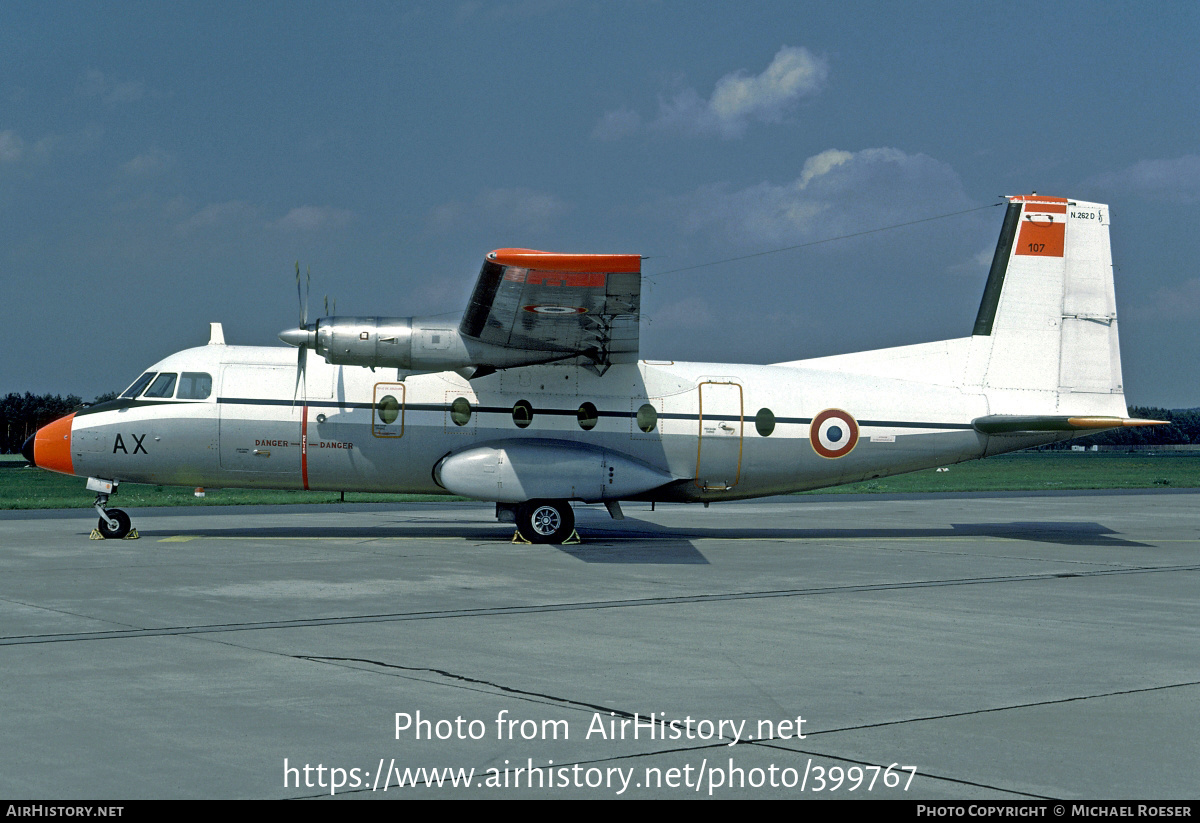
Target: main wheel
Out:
[546,521]
[123,525]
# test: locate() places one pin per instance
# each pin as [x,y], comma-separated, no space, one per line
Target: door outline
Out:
[378,427]
[741,430]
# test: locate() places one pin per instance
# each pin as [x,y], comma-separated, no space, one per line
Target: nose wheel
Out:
[123,525]
[114,524]
[545,521]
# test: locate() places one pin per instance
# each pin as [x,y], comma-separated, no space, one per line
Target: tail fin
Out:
[1045,338]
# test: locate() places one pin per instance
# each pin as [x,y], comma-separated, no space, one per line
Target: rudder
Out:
[1045,339]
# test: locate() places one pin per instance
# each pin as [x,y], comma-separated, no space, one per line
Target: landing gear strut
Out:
[114,523]
[545,521]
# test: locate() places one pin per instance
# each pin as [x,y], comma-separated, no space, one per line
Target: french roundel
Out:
[833,433]
[559,310]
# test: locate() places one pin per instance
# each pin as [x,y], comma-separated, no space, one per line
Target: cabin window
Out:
[647,418]
[764,421]
[138,385]
[587,416]
[522,414]
[389,409]
[194,385]
[163,385]
[460,411]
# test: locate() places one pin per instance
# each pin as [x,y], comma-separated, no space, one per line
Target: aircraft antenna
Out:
[651,277]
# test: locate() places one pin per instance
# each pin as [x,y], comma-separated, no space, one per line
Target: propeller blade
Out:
[301,376]
[302,294]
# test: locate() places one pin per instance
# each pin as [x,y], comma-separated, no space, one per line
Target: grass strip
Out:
[28,488]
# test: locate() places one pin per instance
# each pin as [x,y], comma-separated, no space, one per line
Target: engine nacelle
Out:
[409,343]
[412,344]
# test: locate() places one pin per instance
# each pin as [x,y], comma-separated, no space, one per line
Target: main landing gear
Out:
[114,523]
[545,521]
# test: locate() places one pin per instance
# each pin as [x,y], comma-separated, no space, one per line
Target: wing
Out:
[582,307]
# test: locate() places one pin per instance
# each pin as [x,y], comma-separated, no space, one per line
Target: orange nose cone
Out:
[52,446]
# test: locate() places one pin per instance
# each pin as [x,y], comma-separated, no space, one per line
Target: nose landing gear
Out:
[114,524]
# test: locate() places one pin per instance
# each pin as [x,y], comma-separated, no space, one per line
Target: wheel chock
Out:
[95,535]
[573,540]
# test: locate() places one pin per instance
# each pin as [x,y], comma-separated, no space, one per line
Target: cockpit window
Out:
[195,385]
[163,386]
[139,385]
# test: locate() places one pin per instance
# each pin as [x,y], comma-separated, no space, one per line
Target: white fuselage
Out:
[716,431]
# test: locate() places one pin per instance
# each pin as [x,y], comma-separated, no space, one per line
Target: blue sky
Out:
[164,165]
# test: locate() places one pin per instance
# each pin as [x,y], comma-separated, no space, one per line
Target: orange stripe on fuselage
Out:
[52,446]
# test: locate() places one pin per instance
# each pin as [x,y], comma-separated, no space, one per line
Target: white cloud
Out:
[822,164]
[515,209]
[836,193]
[737,100]
[794,73]
[1176,179]
[11,147]
[314,218]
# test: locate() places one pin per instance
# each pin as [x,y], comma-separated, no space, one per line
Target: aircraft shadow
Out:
[634,542]
[1072,533]
[644,549]
[498,532]
[649,545]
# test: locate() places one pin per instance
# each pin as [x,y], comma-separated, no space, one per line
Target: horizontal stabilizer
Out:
[1014,423]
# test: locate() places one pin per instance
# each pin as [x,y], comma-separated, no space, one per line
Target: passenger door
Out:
[719,444]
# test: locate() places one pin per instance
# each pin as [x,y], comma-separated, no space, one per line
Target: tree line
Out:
[22,415]
[1184,429]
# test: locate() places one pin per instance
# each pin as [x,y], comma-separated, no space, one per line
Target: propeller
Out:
[302,337]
